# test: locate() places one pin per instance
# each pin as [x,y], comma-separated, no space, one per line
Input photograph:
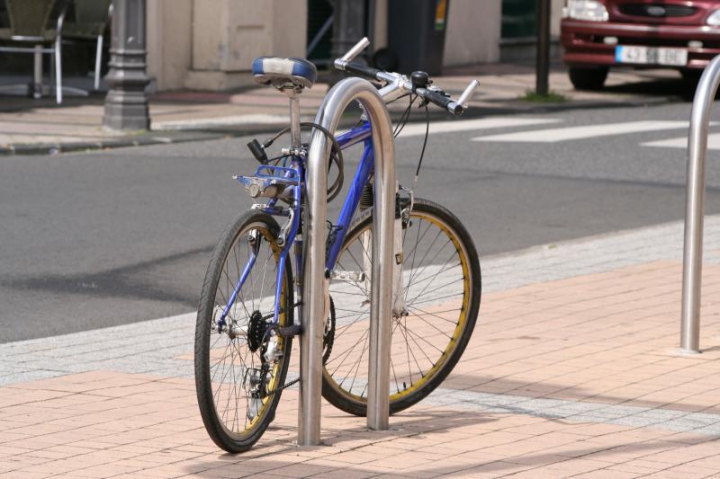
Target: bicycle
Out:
[246,317]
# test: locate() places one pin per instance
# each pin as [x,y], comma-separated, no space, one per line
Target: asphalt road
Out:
[98,239]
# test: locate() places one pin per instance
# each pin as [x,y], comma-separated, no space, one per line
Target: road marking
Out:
[416,129]
[682,142]
[555,135]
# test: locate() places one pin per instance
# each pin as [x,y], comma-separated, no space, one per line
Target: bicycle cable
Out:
[422,152]
[336,156]
[401,124]
[405,116]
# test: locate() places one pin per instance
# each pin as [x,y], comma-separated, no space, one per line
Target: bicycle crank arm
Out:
[290,331]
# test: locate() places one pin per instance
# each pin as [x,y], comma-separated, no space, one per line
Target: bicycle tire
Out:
[352,399]
[227,428]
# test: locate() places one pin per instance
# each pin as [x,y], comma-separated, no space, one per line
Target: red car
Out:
[599,34]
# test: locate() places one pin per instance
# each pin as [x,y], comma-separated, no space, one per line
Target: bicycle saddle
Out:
[280,72]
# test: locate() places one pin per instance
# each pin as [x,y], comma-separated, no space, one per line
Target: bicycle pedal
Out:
[269,181]
[294,330]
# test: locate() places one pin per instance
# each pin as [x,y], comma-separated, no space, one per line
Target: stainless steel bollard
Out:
[695,207]
[313,301]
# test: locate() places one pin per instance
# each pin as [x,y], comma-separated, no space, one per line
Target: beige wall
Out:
[474,29]
[229,34]
[473,32]
[557,6]
[381,24]
[169,42]
[290,28]
[210,44]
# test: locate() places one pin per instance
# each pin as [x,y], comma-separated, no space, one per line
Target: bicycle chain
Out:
[284,386]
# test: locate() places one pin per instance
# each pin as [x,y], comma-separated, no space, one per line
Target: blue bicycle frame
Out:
[361,133]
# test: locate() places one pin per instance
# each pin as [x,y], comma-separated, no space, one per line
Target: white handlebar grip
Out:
[355,51]
[468,93]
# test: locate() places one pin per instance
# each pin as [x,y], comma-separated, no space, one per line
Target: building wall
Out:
[228,34]
[556,12]
[210,44]
[473,32]
[169,42]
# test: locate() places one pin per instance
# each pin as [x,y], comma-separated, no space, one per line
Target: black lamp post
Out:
[543,48]
[348,26]
[126,104]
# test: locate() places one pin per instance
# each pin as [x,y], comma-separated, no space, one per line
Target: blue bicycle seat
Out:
[280,72]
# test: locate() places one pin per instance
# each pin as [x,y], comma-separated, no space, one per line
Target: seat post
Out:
[294,94]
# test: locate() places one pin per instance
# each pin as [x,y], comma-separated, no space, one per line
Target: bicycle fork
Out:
[398,304]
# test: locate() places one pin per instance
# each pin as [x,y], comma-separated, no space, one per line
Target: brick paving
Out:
[572,372]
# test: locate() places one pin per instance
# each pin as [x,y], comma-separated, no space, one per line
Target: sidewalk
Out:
[39,126]
[572,372]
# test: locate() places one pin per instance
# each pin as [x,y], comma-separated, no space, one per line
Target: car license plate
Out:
[651,56]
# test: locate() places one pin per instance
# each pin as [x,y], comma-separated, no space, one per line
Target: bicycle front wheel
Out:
[240,360]
[440,304]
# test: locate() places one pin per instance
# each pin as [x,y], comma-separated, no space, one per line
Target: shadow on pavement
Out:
[471,457]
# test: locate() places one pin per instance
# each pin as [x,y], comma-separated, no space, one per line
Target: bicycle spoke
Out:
[428,252]
[424,292]
[233,370]
[346,353]
[434,274]
[416,310]
[424,338]
[433,326]
[415,337]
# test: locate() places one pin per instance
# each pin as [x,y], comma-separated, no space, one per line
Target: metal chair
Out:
[91,21]
[29,33]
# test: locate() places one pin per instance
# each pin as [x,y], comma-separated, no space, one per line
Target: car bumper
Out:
[583,42]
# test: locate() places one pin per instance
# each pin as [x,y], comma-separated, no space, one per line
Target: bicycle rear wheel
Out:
[240,362]
[441,278]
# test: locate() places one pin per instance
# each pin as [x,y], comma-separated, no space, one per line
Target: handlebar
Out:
[362,70]
[397,84]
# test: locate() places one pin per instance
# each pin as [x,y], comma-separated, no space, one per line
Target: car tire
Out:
[691,75]
[691,79]
[588,78]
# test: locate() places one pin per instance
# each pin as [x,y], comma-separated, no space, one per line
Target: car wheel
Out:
[588,78]
[692,76]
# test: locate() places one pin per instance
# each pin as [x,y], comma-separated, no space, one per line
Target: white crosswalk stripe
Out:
[554,135]
[682,142]
[469,125]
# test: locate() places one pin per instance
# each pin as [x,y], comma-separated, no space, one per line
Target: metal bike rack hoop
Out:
[695,207]
[314,279]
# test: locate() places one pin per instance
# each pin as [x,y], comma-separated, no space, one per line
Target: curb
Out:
[200,133]
[154,139]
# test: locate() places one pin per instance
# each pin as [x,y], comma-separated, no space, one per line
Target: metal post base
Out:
[126,105]
[126,113]
[684,352]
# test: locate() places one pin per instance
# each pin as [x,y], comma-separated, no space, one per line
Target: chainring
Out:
[257,328]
